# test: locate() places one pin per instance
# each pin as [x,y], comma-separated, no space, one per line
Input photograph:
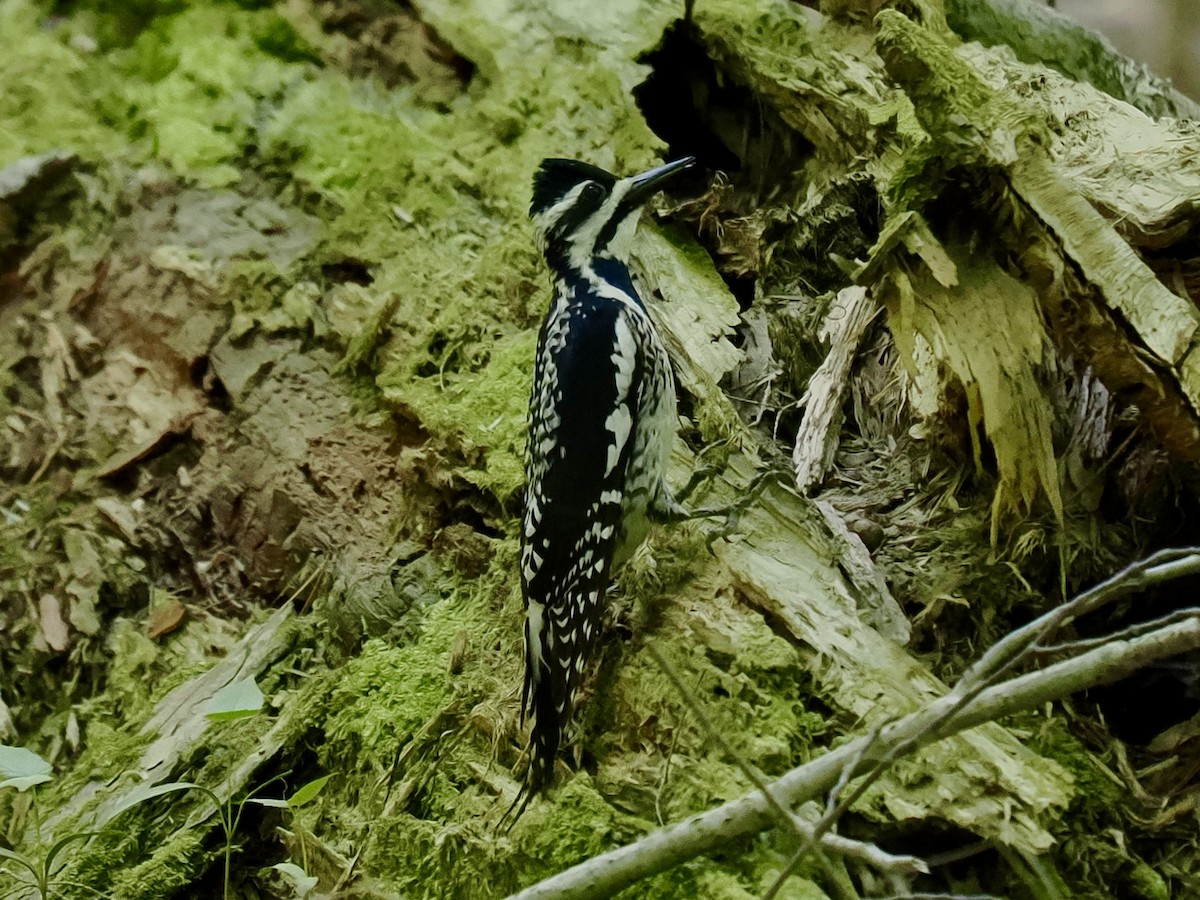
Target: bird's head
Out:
[581,211]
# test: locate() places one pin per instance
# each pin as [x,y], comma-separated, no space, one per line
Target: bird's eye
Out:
[592,192]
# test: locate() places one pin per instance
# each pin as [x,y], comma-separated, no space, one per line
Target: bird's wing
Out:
[584,417]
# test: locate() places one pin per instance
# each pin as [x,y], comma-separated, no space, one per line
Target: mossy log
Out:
[268,303]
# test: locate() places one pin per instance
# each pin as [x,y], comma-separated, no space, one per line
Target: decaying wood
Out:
[1165,323]
[817,439]
[1068,190]
[982,696]
[1041,34]
[175,729]
[786,562]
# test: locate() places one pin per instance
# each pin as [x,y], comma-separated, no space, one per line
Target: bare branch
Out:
[957,711]
[819,431]
[1162,566]
[802,830]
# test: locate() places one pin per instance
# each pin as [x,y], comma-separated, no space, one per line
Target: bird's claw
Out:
[732,512]
[699,475]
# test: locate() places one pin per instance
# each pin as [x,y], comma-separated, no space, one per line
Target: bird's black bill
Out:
[650,183]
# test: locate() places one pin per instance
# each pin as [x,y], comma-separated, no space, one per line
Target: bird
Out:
[602,421]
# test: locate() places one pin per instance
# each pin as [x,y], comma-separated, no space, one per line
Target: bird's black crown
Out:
[555,177]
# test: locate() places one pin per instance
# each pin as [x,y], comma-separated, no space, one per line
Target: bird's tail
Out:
[546,697]
[550,706]
[555,652]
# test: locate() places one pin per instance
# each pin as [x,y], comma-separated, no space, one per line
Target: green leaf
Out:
[62,844]
[236,701]
[20,860]
[142,794]
[301,880]
[21,768]
[268,801]
[308,792]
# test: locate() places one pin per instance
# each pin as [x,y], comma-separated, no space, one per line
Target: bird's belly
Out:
[635,525]
[646,475]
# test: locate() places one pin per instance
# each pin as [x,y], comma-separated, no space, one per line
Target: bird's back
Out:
[590,477]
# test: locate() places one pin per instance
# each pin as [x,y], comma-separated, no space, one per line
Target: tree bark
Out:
[268,303]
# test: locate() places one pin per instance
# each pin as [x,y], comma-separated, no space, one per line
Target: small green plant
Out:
[301,881]
[240,700]
[229,817]
[304,883]
[42,871]
[304,794]
[23,770]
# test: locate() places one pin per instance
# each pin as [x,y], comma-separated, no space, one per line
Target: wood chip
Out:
[166,618]
[54,626]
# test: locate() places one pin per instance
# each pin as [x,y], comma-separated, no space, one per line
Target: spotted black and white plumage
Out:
[601,425]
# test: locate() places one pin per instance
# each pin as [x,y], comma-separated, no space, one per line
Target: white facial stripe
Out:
[624,355]
[543,222]
[583,243]
[621,243]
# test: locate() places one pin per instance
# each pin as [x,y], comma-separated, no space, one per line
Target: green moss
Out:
[48,100]
[386,694]
[143,848]
[276,37]
[748,684]
[484,410]
[1148,884]
[117,23]
[383,696]
[141,673]
[186,90]
[197,80]
[261,293]
[775,35]
[1086,851]
[955,108]
[578,825]
[696,879]
[171,866]
[1051,739]
[431,859]
[581,824]
[398,722]
[367,153]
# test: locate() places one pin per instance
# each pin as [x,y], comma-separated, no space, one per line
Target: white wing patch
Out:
[533,634]
[620,420]
[533,562]
[624,354]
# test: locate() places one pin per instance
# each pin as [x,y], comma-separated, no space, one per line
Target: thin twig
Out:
[783,815]
[662,849]
[1139,628]
[1164,565]
[1013,649]
[896,867]
[830,810]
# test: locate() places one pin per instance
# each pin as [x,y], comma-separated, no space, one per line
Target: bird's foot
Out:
[731,513]
[674,511]
[699,475]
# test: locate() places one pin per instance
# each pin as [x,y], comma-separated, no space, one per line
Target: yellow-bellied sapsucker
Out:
[602,420]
